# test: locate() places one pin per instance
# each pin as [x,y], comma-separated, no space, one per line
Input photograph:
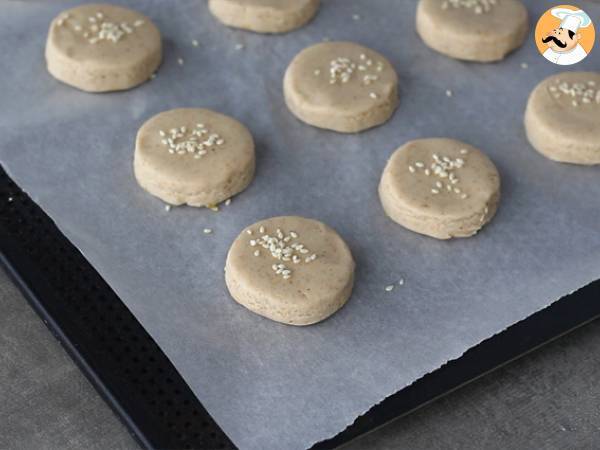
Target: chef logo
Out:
[565,35]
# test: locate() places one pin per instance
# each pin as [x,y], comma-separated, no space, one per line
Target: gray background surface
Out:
[546,400]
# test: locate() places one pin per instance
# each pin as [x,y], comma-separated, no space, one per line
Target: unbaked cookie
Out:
[341,86]
[440,187]
[101,47]
[290,269]
[562,118]
[473,30]
[264,16]
[193,156]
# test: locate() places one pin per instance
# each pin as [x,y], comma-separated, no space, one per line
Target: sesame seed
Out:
[239,46]
[389,288]
[249,231]
[355,16]
[449,93]
[401,282]
[317,72]
[419,164]
[180,61]
[228,202]
[194,42]
[411,169]
[373,95]
[256,252]
[435,191]
[261,229]
[464,151]
[207,231]
[167,208]
[524,65]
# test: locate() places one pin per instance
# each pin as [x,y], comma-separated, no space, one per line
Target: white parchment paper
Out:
[272,386]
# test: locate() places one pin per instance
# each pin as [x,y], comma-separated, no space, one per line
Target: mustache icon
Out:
[556,41]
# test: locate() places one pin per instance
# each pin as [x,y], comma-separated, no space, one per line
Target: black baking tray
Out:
[139,382]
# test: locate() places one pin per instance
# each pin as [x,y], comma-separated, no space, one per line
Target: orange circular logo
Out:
[565,35]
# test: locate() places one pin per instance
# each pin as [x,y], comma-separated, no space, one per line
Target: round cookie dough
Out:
[193,156]
[101,47]
[442,188]
[562,119]
[473,30]
[290,269]
[341,86]
[264,16]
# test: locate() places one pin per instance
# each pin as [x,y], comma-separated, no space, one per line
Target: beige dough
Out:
[341,86]
[193,156]
[473,30]
[264,16]
[442,188]
[290,269]
[562,118]
[101,47]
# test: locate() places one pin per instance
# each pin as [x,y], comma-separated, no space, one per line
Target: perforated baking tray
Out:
[141,385]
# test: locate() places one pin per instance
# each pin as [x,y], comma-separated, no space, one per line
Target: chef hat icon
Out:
[572,20]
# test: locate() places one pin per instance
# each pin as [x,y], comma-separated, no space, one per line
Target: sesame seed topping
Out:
[583,92]
[443,167]
[207,231]
[401,282]
[449,93]
[477,6]
[389,288]
[101,29]
[355,16]
[239,46]
[228,202]
[182,141]
[317,72]
[373,95]
[195,43]
[524,65]
[280,248]
[167,208]
[342,69]
[180,61]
